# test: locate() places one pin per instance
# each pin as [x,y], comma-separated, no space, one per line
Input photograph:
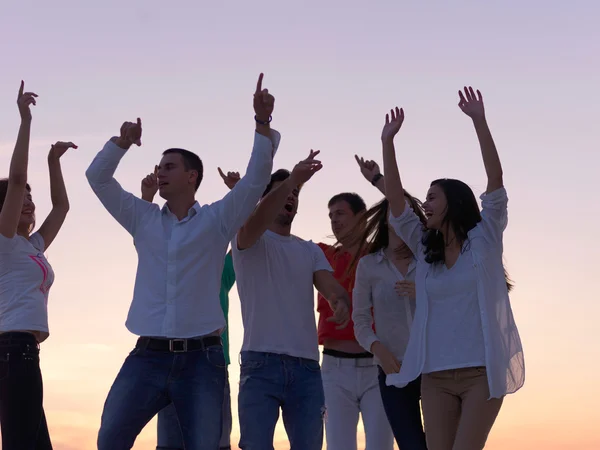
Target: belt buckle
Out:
[177,349]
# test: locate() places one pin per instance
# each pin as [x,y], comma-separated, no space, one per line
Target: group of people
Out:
[413,302]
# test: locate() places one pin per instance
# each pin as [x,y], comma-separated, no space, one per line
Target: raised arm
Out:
[58,194]
[268,208]
[370,170]
[126,208]
[393,185]
[238,204]
[17,175]
[472,106]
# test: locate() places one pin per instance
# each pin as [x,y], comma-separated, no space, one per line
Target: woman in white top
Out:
[25,279]
[464,339]
[384,294]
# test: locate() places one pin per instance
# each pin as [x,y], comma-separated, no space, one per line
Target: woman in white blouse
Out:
[384,295]
[25,279]
[464,340]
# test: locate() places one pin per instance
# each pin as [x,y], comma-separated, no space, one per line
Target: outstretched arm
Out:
[370,170]
[394,191]
[268,208]
[125,207]
[472,106]
[58,194]
[238,204]
[17,176]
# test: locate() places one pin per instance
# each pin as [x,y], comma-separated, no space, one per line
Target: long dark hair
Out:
[375,235]
[462,215]
[4,191]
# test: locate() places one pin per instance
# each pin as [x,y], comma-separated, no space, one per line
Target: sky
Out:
[335,68]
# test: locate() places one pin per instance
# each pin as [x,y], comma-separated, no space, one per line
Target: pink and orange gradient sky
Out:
[335,68]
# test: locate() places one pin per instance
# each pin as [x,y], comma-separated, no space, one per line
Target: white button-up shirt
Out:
[178,277]
[503,350]
[375,298]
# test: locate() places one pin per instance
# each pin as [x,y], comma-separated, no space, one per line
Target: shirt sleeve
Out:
[235,208]
[37,240]
[408,227]
[362,307]
[125,207]
[319,259]
[494,215]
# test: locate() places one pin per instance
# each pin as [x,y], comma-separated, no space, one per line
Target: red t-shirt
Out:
[339,262]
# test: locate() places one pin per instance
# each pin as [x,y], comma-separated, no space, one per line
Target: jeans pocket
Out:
[310,365]
[216,357]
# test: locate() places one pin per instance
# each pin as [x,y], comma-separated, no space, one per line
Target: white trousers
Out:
[351,388]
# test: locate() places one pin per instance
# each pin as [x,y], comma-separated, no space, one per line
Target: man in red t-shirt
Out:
[350,375]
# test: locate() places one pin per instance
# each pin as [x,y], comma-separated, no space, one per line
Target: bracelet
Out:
[376,178]
[263,122]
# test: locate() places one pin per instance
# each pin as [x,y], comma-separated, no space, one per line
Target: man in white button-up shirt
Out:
[175,308]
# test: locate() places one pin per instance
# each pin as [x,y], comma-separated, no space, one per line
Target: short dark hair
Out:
[357,204]
[4,190]
[277,176]
[191,161]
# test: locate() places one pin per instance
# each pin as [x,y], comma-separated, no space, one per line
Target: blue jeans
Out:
[270,381]
[403,411]
[194,381]
[169,435]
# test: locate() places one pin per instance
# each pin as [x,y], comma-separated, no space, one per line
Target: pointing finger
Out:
[259,84]
[21,88]
[221,173]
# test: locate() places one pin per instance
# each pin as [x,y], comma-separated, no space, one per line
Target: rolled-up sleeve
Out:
[408,227]
[494,215]
[238,204]
[125,207]
[362,307]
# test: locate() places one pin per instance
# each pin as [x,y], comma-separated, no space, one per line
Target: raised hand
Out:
[393,122]
[150,185]
[470,104]
[341,313]
[60,148]
[24,101]
[131,133]
[230,179]
[368,168]
[263,102]
[305,169]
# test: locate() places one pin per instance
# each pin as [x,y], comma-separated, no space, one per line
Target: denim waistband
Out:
[18,339]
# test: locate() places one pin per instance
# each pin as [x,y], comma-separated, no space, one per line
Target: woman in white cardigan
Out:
[464,340]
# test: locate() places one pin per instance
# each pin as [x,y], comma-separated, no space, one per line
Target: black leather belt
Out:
[178,345]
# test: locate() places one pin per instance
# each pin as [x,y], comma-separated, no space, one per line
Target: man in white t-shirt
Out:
[276,272]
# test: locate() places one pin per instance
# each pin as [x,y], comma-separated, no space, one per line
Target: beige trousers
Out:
[456,409]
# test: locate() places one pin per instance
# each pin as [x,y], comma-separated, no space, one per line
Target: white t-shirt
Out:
[25,280]
[454,332]
[275,283]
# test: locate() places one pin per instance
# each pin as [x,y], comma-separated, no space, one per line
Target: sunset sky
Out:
[189,72]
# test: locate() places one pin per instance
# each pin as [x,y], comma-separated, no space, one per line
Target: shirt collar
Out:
[380,256]
[195,209]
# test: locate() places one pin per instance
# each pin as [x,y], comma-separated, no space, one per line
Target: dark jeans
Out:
[21,412]
[194,381]
[270,381]
[404,413]
[169,435]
